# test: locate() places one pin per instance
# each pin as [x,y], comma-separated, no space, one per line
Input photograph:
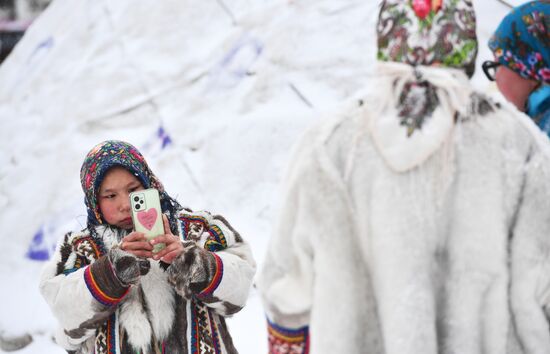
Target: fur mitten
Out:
[110,277]
[192,271]
[128,268]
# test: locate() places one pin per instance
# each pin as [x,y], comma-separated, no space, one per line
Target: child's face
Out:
[113,197]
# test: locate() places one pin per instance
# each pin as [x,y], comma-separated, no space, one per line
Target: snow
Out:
[233,84]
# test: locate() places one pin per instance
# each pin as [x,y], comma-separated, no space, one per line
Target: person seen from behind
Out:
[415,220]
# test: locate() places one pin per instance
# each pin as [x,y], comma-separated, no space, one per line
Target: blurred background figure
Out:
[521,46]
[15,18]
[416,220]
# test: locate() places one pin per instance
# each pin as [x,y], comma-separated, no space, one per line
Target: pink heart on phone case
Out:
[147,218]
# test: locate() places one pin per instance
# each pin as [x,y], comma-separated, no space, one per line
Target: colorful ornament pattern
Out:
[428,32]
[283,340]
[100,159]
[522,41]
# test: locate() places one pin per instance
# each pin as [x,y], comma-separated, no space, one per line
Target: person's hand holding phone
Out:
[137,244]
[174,246]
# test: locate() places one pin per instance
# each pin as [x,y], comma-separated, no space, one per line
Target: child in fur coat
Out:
[112,294]
[417,220]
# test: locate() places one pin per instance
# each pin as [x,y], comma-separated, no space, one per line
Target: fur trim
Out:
[133,318]
[148,311]
[110,236]
[160,298]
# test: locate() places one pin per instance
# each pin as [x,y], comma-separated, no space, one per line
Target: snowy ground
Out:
[230,86]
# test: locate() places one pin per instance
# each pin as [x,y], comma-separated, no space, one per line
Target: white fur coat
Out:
[406,246]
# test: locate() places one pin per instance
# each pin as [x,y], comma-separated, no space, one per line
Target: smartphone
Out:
[147,215]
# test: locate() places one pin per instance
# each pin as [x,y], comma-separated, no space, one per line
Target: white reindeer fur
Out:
[159,298]
[449,254]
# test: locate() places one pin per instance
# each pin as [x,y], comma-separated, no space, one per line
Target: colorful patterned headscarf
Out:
[522,41]
[428,32]
[112,153]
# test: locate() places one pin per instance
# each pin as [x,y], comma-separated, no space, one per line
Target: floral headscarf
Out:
[428,32]
[522,41]
[426,51]
[112,153]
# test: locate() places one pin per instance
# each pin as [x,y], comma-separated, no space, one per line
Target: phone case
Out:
[147,214]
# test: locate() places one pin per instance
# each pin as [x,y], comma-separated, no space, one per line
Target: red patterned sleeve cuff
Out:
[103,284]
[283,340]
[217,266]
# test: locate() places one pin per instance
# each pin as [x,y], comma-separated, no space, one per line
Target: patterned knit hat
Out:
[428,32]
[106,155]
[522,41]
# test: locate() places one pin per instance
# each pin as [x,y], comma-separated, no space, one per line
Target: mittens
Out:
[127,267]
[192,271]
